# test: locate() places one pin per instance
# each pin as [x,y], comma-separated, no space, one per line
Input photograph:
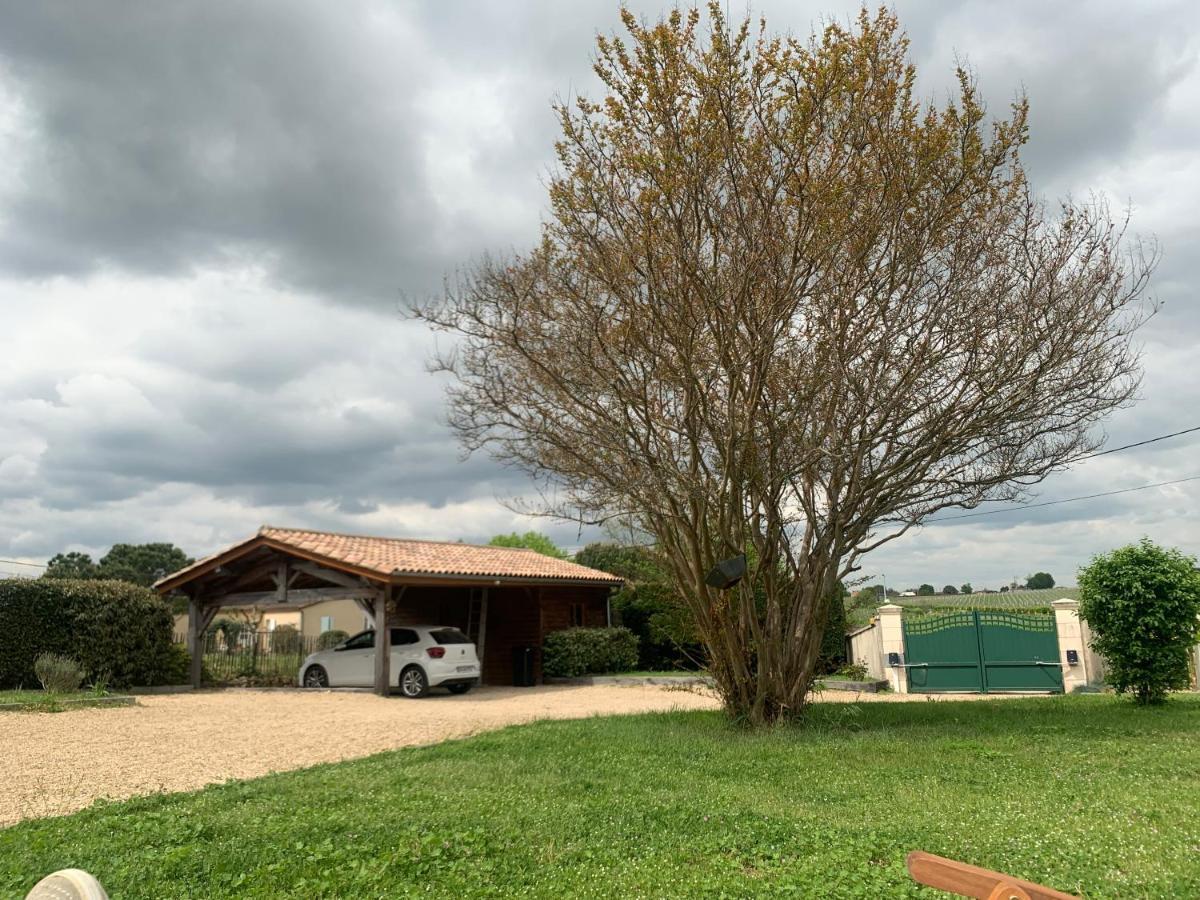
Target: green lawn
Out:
[1085,793]
[40,701]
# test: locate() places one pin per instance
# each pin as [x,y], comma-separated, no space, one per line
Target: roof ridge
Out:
[407,540]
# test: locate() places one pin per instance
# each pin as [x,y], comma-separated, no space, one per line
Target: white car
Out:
[423,657]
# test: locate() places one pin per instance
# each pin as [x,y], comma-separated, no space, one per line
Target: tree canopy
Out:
[781,306]
[530,540]
[70,565]
[1039,581]
[141,564]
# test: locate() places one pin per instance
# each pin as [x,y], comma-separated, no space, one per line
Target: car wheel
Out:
[316,677]
[413,682]
[458,688]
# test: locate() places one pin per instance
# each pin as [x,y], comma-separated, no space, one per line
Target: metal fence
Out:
[254,657]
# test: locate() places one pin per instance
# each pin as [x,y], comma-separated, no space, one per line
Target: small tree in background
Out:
[1142,603]
[141,564]
[833,641]
[949,589]
[926,590]
[1039,581]
[530,540]
[648,605]
[70,565]
[966,588]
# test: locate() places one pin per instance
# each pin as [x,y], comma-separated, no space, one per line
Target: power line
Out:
[17,562]
[996,512]
[1152,440]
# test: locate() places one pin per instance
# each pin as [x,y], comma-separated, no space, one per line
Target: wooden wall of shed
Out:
[517,617]
[513,620]
[558,601]
[422,605]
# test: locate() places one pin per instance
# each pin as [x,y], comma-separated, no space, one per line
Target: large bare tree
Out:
[782,307]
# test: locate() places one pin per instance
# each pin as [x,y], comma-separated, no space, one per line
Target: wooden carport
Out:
[502,597]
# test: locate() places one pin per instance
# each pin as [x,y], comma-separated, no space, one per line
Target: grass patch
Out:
[1084,793]
[44,701]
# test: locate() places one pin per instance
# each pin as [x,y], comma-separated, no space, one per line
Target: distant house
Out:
[310,619]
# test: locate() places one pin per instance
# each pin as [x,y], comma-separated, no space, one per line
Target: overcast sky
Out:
[210,211]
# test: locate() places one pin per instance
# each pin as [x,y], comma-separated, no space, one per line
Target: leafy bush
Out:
[330,639]
[833,640]
[58,674]
[1141,602]
[230,628]
[589,651]
[285,639]
[854,671]
[648,605]
[113,629]
[178,666]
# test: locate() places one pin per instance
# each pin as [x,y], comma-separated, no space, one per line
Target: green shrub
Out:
[178,667]
[330,639]
[113,629]
[833,639]
[58,674]
[648,605]
[854,671]
[589,651]
[285,639]
[1141,602]
[654,613]
[230,628]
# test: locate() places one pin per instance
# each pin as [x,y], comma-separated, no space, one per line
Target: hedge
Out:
[119,632]
[589,651]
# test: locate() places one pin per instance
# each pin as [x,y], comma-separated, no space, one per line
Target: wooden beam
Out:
[281,582]
[333,576]
[383,652]
[195,639]
[303,595]
[483,605]
[258,573]
[367,605]
[210,613]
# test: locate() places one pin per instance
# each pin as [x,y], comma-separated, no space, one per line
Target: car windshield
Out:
[449,636]
[360,641]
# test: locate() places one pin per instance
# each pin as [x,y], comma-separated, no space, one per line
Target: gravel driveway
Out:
[54,763]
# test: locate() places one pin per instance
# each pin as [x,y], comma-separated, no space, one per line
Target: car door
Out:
[405,649]
[353,664]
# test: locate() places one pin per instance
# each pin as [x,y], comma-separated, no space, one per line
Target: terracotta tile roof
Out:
[403,556]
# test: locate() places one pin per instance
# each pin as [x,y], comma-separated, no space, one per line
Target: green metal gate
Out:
[982,652]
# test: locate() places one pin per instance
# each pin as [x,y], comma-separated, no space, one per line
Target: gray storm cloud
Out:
[212,212]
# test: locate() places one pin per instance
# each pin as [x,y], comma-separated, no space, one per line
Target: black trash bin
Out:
[523,663]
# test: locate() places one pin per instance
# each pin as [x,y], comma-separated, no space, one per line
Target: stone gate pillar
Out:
[1070,637]
[891,639]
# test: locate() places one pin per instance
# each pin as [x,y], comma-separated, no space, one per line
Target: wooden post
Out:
[483,600]
[195,639]
[383,652]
